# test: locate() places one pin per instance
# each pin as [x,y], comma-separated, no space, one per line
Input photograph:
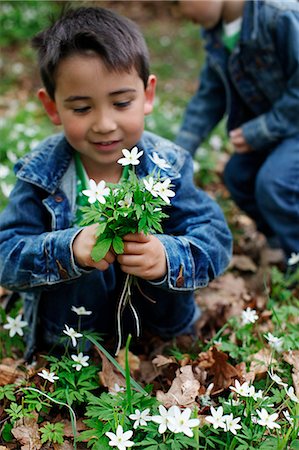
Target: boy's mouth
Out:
[106,145]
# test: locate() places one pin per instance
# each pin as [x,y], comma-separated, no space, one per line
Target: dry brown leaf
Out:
[183,391]
[223,372]
[68,428]
[222,299]
[3,448]
[26,433]
[9,372]
[243,263]
[161,360]
[109,376]
[134,361]
[260,363]
[148,372]
[205,360]
[65,446]
[292,357]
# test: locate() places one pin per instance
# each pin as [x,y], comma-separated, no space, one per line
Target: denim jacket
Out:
[256,86]
[37,231]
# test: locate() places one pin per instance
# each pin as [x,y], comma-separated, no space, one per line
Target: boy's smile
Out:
[102,111]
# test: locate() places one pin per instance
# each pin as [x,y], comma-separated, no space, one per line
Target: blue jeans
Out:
[265,184]
[162,312]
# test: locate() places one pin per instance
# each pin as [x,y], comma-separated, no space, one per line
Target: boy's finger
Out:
[136,237]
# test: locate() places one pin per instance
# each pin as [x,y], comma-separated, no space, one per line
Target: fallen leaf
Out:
[161,360]
[223,372]
[133,360]
[26,433]
[243,263]
[292,357]
[183,391]
[9,372]
[260,363]
[109,376]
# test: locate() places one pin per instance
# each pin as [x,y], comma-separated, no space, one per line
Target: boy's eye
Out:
[122,104]
[81,110]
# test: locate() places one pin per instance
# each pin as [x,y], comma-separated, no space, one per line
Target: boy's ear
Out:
[50,106]
[150,94]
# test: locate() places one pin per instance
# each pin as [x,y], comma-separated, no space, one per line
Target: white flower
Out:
[216,142]
[266,419]
[205,399]
[127,202]
[163,418]
[290,392]
[274,342]
[232,424]
[294,259]
[81,311]
[276,379]
[196,166]
[50,376]
[15,325]
[249,316]
[243,389]
[72,334]
[6,188]
[150,186]
[216,419]
[258,395]
[288,417]
[96,191]
[180,422]
[160,162]
[116,388]
[140,417]
[120,439]
[80,361]
[233,402]
[162,190]
[130,157]
[4,171]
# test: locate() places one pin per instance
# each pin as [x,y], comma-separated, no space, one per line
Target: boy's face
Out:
[101,111]
[206,13]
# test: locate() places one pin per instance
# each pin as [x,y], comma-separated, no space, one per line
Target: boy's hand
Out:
[83,245]
[143,256]
[238,141]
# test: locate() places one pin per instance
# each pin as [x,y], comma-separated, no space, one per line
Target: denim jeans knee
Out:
[277,193]
[239,177]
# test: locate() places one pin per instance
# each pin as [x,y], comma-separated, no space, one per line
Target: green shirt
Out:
[231,33]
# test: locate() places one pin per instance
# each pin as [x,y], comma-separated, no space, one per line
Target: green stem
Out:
[116,364]
[128,378]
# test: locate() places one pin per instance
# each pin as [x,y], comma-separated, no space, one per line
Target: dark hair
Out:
[116,39]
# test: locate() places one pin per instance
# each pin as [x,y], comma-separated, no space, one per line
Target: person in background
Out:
[251,76]
[97,85]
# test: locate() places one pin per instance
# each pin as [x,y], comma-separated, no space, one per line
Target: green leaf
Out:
[295,445]
[118,245]
[100,249]
[101,228]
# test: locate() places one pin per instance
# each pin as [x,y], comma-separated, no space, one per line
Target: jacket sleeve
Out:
[30,254]
[282,120]
[197,240]
[205,109]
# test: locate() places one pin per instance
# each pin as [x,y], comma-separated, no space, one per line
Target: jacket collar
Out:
[46,165]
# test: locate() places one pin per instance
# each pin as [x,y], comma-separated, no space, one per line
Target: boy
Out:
[252,75]
[94,66]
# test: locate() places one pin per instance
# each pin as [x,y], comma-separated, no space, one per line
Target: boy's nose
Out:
[103,123]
